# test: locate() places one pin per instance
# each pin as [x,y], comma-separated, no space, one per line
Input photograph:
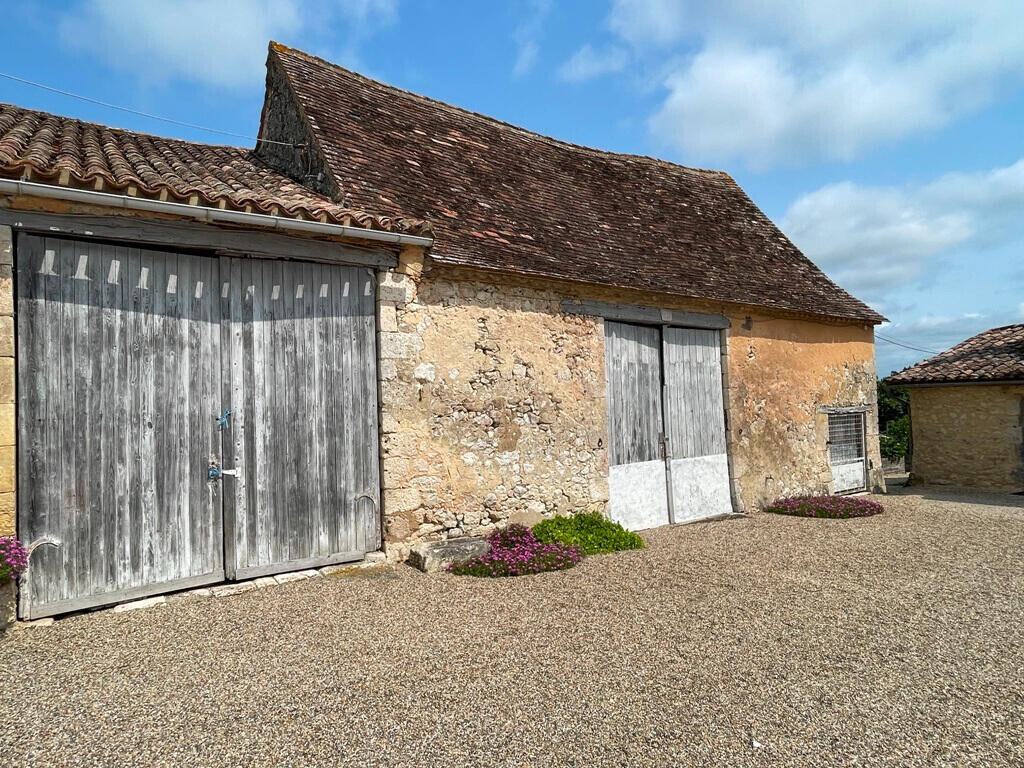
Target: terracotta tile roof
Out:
[501,197]
[63,151]
[995,355]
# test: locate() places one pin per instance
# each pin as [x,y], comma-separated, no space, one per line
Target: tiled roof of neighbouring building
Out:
[994,355]
[500,197]
[47,148]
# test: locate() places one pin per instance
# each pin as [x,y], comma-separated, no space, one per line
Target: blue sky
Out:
[884,137]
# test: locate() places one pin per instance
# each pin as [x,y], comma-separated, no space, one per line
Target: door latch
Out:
[224,420]
[216,473]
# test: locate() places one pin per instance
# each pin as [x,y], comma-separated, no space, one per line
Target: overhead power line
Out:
[148,115]
[905,345]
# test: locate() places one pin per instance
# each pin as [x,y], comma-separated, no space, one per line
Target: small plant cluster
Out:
[835,507]
[591,532]
[515,551]
[13,559]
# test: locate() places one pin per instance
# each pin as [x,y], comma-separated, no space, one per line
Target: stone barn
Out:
[590,330]
[967,412]
[394,320]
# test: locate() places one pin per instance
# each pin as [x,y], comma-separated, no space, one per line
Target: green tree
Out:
[893,420]
[893,403]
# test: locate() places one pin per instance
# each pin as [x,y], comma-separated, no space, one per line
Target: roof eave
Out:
[212,215]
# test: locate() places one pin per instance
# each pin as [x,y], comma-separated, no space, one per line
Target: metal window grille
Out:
[845,437]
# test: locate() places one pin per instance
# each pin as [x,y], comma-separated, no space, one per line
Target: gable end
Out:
[287,143]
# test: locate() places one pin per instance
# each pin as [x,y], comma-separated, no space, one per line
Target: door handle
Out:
[215,473]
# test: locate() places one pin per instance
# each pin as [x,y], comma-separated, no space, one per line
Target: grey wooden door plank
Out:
[231,453]
[252,382]
[332,418]
[36,430]
[157,529]
[632,368]
[696,423]
[287,415]
[275,404]
[306,407]
[350,303]
[264,362]
[108,398]
[204,387]
[367,366]
[138,429]
[121,456]
[75,577]
[318,393]
[182,435]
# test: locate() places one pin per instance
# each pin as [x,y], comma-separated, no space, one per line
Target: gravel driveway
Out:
[894,640]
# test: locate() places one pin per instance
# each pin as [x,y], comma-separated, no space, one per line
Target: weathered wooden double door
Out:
[666,425]
[184,418]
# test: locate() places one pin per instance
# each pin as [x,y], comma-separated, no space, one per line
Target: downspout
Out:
[209,215]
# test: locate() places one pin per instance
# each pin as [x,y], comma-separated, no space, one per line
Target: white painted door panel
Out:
[700,487]
[848,477]
[637,495]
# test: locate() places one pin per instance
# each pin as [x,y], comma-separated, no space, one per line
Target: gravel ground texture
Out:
[894,640]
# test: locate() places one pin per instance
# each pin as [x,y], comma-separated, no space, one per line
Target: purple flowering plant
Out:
[13,559]
[515,551]
[834,507]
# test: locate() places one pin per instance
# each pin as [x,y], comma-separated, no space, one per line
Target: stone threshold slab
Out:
[371,561]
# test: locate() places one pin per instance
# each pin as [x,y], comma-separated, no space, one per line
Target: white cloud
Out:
[874,239]
[588,63]
[774,81]
[526,36]
[648,22]
[222,44]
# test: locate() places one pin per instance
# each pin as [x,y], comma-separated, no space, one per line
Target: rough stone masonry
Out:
[493,400]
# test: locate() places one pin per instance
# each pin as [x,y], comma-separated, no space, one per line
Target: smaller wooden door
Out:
[666,425]
[302,433]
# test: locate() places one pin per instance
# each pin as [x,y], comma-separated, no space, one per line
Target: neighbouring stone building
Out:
[967,412]
[393,320]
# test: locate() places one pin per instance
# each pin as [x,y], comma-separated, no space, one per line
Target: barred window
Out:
[845,437]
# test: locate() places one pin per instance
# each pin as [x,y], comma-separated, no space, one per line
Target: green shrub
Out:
[593,533]
[895,440]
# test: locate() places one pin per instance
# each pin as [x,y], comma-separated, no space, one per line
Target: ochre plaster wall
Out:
[782,373]
[493,399]
[969,436]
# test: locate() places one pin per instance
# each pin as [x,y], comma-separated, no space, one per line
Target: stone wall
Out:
[492,406]
[493,399]
[969,436]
